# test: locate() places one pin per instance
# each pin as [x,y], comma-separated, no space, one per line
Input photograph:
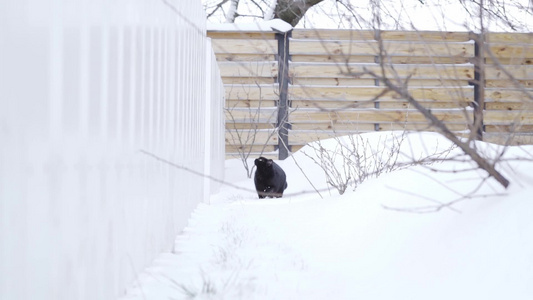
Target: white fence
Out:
[84,86]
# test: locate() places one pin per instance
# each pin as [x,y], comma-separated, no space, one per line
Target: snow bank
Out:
[306,247]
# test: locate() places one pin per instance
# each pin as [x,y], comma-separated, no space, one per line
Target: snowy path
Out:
[348,247]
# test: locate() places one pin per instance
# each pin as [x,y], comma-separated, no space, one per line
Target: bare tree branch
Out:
[292,11]
[435,122]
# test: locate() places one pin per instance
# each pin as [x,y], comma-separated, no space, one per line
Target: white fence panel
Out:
[84,86]
[216,150]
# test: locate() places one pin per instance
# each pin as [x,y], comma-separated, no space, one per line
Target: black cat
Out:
[270,179]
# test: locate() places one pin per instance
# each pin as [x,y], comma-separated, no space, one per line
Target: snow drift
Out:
[359,246]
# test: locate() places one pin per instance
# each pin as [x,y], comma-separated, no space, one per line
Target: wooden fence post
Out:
[283,103]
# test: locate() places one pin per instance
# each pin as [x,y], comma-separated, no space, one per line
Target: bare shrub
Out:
[353,159]
[244,130]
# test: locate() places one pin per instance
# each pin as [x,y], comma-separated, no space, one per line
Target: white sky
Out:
[448,15]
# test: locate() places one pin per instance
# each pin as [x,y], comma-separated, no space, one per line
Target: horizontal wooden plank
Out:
[425,36]
[344,34]
[523,72]
[508,106]
[349,48]
[343,128]
[510,61]
[250,103]
[508,83]
[333,81]
[505,95]
[390,59]
[251,91]
[425,104]
[339,81]
[245,57]
[332,34]
[511,50]
[422,127]
[375,116]
[241,35]
[430,59]
[239,74]
[248,80]
[248,69]
[333,58]
[496,117]
[249,126]
[340,48]
[251,137]
[507,37]
[244,115]
[339,105]
[237,46]
[509,128]
[442,94]
[445,72]
[331,104]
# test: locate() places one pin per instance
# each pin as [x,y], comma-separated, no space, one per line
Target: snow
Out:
[269,15]
[232,11]
[362,244]
[275,25]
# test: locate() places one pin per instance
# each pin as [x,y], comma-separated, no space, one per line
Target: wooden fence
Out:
[330,91]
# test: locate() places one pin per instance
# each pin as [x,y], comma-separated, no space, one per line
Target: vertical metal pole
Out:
[283,124]
[479,86]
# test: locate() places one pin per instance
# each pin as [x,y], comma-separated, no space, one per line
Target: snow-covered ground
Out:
[358,245]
